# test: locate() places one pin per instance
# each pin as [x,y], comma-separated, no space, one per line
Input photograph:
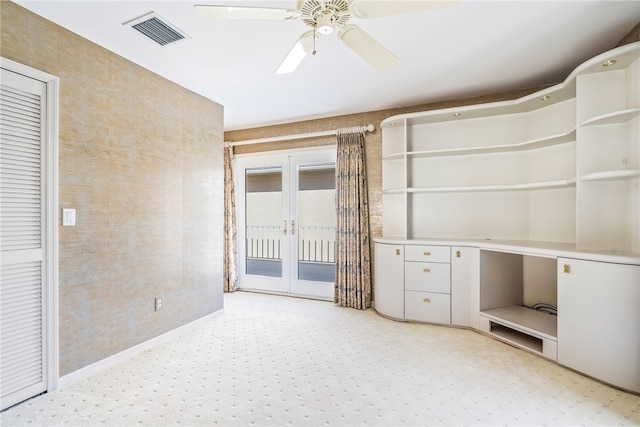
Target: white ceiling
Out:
[475,48]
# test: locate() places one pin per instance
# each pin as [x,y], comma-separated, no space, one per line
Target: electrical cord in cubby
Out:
[547,308]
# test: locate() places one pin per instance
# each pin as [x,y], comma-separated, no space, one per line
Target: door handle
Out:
[285,227]
[293,227]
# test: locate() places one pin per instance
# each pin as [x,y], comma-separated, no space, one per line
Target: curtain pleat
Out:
[353,258]
[230,269]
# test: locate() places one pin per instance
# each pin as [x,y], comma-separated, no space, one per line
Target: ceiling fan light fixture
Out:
[325,24]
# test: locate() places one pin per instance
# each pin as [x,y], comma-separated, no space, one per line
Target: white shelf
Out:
[616,175]
[517,338]
[544,185]
[616,117]
[524,319]
[393,191]
[394,156]
[533,144]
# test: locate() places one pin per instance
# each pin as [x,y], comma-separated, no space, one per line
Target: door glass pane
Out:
[264,221]
[317,223]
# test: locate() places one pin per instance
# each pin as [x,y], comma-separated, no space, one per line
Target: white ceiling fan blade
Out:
[367,47]
[237,12]
[364,9]
[297,53]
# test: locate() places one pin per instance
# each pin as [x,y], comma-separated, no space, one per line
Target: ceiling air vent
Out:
[157,29]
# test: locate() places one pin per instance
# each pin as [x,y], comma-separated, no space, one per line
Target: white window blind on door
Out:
[22,284]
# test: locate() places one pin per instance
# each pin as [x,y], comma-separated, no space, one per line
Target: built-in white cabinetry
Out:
[579,308]
[389,274]
[494,157]
[608,167]
[427,283]
[416,282]
[599,321]
[512,285]
[523,205]
[464,297]
[560,165]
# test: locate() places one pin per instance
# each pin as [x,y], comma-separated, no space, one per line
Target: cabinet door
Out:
[389,280]
[599,320]
[465,285]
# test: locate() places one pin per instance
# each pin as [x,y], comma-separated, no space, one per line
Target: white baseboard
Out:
[110,361]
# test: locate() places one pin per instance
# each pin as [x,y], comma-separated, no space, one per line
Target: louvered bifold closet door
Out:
[22,291]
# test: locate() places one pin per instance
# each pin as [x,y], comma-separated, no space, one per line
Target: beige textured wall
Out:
[141,162]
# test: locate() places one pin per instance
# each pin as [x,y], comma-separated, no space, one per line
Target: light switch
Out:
[68,217]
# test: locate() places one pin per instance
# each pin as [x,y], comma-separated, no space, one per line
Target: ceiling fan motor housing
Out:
[324,15]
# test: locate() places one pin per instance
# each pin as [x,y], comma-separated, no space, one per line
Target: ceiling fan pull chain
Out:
[314,39]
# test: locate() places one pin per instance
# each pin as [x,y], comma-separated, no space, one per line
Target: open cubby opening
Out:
[512,286]
[514,336]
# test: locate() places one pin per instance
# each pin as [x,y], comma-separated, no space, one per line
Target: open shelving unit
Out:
[484,151]
[552,166]
[510,284]
[560,166]
[608,155]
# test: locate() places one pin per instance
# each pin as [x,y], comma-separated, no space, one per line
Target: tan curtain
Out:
[230,269]
[353,258]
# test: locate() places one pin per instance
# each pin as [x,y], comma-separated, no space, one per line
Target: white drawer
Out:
[427,277]
[427,307]
[427,253]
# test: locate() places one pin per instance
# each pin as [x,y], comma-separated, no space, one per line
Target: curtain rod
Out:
[368,128]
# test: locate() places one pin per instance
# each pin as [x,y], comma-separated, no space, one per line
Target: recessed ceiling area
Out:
[473,48]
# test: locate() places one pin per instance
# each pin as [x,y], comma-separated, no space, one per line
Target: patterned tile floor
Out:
[275,361]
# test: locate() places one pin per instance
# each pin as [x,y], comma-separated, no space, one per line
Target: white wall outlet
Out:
[158,303]
[69,217]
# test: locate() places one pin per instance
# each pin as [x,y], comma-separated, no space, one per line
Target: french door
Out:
[286,223]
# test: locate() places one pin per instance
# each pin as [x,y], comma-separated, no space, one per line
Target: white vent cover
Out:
[157,29]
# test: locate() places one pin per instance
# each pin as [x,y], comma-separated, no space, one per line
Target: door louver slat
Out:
[20,306]
[22,303]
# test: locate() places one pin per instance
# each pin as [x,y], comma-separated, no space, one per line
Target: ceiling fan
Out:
[325,17]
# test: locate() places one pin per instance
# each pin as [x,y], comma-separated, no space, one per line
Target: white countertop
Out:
[525,247]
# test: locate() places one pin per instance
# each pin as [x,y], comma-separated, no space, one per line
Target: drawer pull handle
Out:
[427,253]
[566,268]
[427,270]
[457,254]
[397,251]
[427,300]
